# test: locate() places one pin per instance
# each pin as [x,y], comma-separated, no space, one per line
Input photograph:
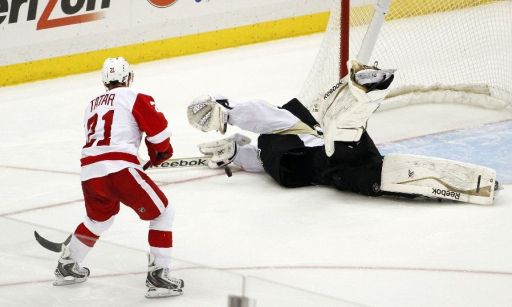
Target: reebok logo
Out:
[333,89]
[74,11]
[446,193]
[184,163]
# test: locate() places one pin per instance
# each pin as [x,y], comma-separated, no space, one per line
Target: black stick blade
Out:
[49,245]
[228,171]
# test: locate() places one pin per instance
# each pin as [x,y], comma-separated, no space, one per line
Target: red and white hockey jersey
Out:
[114,123]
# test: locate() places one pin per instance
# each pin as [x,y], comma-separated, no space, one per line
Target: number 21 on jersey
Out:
[95,129]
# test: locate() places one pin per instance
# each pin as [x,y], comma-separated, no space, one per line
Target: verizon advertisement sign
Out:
[38,29]
[52,13]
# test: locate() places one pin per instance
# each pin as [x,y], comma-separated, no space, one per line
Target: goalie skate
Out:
[438,178]
[371,78]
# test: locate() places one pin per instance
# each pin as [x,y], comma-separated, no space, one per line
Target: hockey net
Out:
[453,51]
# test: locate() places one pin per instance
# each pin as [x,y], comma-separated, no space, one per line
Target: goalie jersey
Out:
[114,123]
[299,159]
[294,159]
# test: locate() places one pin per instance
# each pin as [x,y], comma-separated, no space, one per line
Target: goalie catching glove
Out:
[223,152]
[208,113]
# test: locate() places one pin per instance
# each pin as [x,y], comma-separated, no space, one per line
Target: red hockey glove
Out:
[159,153]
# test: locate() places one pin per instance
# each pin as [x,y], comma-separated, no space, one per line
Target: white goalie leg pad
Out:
[223,152]
[206,114]
[438,178]
[349,126]
[346,114]
[349,105]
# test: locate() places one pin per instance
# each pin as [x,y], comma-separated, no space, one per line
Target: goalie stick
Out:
[179,163]
[49,245]
[183,163]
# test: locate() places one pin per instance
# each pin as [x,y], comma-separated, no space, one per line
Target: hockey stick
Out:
[49,245]
[179,163]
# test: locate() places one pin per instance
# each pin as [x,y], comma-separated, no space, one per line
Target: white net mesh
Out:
[458,47]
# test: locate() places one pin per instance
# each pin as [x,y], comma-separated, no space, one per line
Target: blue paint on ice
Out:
[489,145]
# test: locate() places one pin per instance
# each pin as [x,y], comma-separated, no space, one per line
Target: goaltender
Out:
[334,148]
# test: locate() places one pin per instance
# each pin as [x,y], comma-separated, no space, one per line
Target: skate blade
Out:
[160,293]
[66,282]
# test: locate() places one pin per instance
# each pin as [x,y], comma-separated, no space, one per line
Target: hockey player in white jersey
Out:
[111,174]
[333,148]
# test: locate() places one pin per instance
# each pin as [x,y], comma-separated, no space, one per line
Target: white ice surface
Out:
[369,251]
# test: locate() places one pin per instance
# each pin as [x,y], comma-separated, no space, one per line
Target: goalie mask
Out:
[116,70]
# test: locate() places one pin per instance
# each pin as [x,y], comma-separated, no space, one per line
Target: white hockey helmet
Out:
[116,70]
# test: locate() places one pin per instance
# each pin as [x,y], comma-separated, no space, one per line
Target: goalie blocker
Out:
[438,178]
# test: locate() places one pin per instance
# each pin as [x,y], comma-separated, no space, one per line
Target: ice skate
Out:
[68,271]
[160,284]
